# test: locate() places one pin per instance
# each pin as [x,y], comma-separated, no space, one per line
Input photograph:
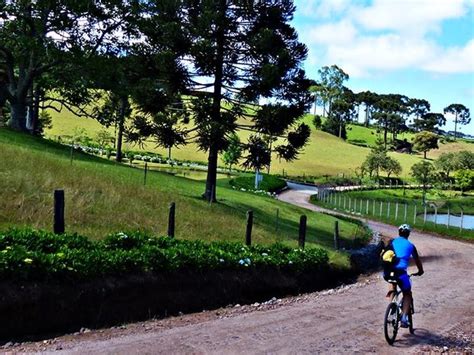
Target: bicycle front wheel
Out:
[390,324]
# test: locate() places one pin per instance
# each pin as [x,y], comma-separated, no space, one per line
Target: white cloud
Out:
[332,33]
[415,17]
[388,35]
[322,8]
[453,60]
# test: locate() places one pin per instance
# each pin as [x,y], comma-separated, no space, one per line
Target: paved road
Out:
[347,321]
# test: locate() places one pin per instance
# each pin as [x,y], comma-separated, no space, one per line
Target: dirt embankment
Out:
[346,320]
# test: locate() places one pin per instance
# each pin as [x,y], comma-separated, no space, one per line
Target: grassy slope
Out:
[325,153]
[103,197]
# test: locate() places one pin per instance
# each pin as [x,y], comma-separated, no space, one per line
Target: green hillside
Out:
[324,155]
[103,197]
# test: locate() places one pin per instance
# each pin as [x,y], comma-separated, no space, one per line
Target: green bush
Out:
[270,183]
[38,255]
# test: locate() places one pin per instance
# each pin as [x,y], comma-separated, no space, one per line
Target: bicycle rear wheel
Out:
[390,324]
[410,320]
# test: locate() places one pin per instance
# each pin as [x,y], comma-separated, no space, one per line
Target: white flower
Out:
[264,254]
[221,260]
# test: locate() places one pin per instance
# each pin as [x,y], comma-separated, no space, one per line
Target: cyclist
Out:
[403,249]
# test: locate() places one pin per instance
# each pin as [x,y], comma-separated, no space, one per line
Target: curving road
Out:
[348,320]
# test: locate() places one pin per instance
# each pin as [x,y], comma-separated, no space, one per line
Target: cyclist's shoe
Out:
[404,323]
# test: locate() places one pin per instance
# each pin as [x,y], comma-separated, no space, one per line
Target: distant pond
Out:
[455,221]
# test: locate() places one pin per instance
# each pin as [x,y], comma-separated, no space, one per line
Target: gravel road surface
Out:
[345,320]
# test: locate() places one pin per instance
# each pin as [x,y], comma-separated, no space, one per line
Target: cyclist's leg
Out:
[405,286]
[392,286]
[407,299]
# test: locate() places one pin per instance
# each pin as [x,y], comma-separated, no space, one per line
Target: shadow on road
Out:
[426,337]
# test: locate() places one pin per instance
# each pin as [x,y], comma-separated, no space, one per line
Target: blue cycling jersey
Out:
[403,250]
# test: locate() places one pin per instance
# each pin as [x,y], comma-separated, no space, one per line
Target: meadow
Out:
[103,197]
[325,154]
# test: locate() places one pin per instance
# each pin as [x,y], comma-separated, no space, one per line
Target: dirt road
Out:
[348,320]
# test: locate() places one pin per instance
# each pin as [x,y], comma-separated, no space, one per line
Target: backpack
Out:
[388,257]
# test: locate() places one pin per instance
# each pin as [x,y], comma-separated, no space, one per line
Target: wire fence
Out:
[446,217]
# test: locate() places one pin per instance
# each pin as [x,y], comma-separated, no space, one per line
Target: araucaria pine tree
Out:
[245,66]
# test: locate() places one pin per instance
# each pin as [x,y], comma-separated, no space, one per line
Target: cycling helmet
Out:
[404,230]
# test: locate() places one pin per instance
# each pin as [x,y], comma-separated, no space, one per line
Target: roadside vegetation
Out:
[42,256]
[103,197]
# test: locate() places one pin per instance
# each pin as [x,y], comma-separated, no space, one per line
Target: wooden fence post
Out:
[144,173]
[277,219]
[380,214]
[171,219]
[72,152]
[58,225]
[414,216]
[336,235]
[373,208]
[302,232]
[462,220]
[388,210]
[367,208]
[447,226]
[405,214]
[424,216]
[396,211]
[248,231]
[360,207]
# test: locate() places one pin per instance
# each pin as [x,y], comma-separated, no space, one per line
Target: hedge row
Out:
[27,254]
[269,183]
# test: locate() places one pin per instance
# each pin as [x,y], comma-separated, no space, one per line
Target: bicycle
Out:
[393,315]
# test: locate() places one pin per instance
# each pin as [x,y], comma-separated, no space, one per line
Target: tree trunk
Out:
[455,125]
[36,109]
[18,116]
[210,193]
[366,115]
[385,131]
[424,154]
[169,153]
[121,123]
[270,162]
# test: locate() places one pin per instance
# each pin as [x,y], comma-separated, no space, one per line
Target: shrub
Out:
[269,183]
[38,255]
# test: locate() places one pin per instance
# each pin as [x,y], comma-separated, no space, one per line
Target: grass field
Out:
[388,205]
[324,155]
[104,197]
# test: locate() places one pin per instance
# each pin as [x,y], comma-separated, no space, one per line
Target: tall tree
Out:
[243,52]
[390,113]
[425,141]
[418,108]
[424,173]
[446,163]
[461,114]
[429,122]
[369,99]
[343,111]
[332,85]
[233,152]
[34,35]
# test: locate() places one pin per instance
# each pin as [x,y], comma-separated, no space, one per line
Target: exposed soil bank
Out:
[39,308]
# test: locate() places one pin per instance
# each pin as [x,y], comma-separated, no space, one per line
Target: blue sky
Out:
[420,48]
